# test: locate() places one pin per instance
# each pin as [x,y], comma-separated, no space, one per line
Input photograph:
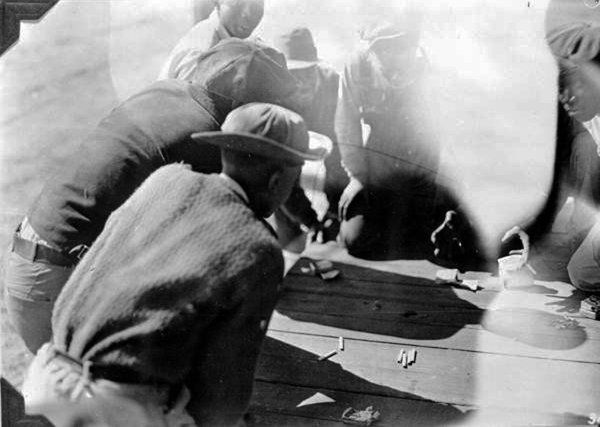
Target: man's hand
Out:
[350,192]
[325,230]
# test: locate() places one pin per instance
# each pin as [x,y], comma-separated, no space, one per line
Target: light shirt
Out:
[27,232]
[593,127]
[201,37]
[234,186]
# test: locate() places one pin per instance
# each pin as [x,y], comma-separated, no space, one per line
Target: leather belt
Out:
[39,253]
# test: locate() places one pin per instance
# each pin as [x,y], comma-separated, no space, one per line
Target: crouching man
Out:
[172,301]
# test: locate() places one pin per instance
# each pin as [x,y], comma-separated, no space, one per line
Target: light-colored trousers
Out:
[584,266]
[30,290]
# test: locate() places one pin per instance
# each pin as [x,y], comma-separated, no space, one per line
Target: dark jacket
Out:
[174,290]
[152,129]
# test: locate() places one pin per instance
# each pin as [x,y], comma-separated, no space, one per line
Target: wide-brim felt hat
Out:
[298,47]
[266,130]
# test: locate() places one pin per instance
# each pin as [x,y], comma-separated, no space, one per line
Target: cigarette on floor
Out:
[341,343]
[413,356]
[328,355]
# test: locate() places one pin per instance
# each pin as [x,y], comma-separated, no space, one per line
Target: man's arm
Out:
[298,208]
[348,127]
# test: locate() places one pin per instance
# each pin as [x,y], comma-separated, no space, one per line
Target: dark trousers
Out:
[384,223]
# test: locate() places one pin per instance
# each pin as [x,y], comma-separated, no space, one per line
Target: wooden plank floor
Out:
[494,357]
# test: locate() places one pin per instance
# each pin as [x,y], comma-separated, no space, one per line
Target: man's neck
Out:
[221,31]
[235,186]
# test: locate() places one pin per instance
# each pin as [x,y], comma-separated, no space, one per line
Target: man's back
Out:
[183,250]
[147,131]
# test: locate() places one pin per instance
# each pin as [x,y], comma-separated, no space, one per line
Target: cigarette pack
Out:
[324,269]
[448,275]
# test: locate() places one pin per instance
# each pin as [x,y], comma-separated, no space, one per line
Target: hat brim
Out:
[297,64]
[389,38]
[259,145]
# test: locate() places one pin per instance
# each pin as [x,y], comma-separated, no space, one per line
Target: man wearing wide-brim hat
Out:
[318,85]
[149,130]
[176,293]
[388,202]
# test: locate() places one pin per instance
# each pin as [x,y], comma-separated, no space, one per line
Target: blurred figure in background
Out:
[577,48]
[230,18]
[318,86]
[387,209]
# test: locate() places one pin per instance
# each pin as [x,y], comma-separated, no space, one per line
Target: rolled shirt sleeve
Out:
[349,129]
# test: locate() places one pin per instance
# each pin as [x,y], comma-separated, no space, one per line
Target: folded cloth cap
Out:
[387,30]
[266,130]
[242,71]
[298,47]
[575,43]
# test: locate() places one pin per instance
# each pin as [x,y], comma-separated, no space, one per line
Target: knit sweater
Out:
[182,254]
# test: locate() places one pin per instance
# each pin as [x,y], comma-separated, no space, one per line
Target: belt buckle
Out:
[79,251]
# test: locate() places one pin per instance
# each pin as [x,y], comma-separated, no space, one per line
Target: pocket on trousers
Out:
[33,281]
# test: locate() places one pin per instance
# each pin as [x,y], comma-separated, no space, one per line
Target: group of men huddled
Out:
[145,273]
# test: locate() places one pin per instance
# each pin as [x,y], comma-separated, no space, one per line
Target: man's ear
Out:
[274,181]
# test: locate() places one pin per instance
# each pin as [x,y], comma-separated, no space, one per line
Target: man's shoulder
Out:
[199,36]
[162,89]
[359,63]
[327,72]
[166,176]
[167,99]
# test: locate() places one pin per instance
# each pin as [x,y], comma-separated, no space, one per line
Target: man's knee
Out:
[583,274]
[358,237]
